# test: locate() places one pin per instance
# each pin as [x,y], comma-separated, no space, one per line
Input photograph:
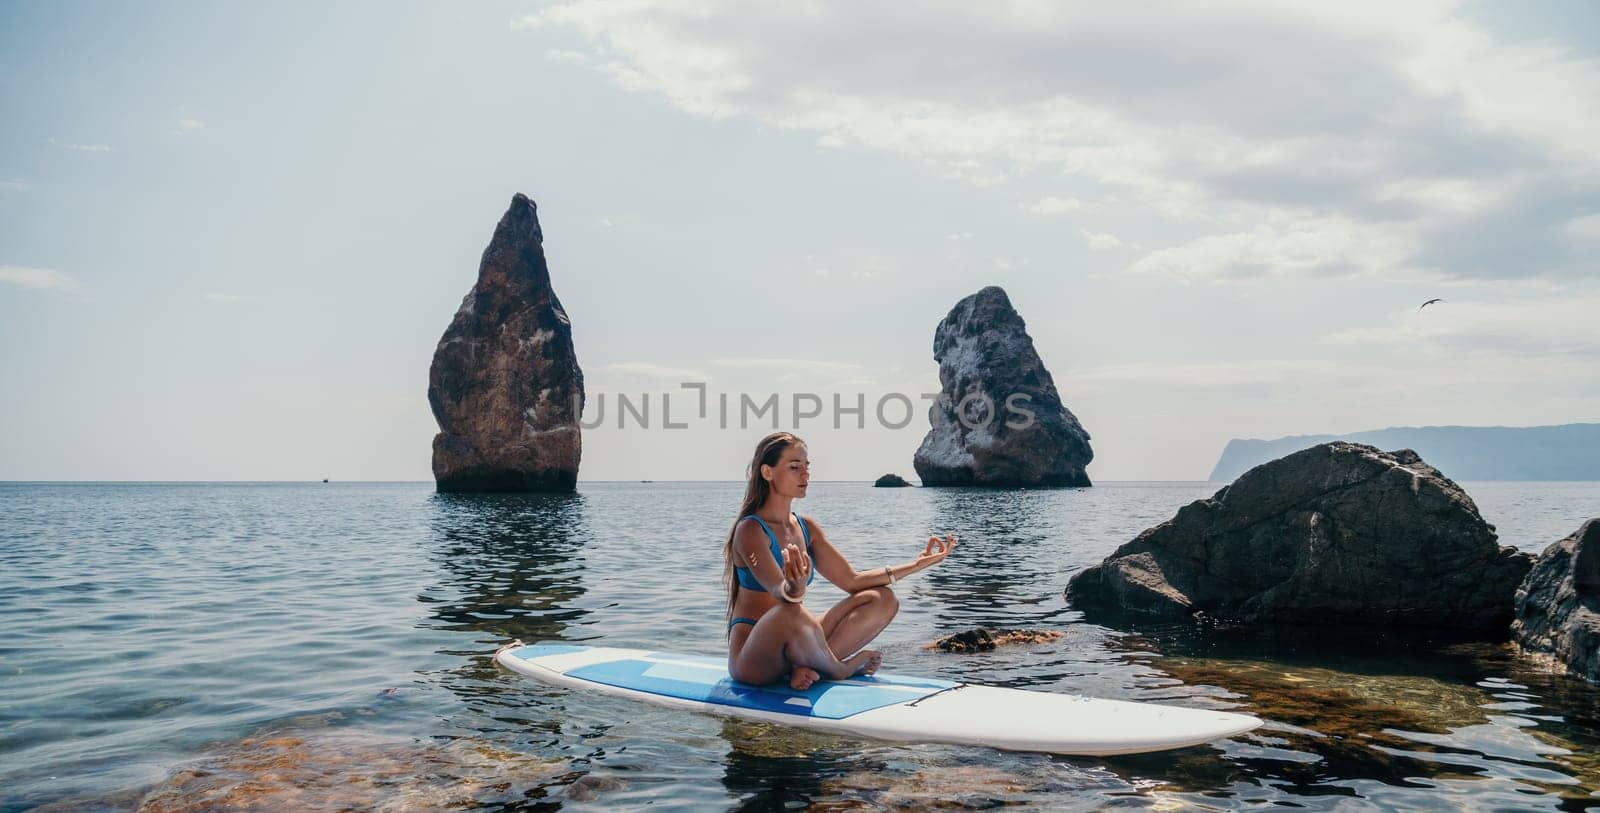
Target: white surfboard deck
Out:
[888,707]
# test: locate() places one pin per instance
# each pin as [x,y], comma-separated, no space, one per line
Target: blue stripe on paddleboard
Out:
[721,665]
[690,678]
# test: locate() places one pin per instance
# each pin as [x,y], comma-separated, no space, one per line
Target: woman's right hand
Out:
[796,567]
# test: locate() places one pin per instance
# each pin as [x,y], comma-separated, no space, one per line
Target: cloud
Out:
[567,57]
[647,369]
[41,279]
[81,147]
[223,298]
[1052,205]
[1100,241]
[1321,246]
[1542,327]
[186,126]
[1585,229]
[1271,131]
[810,367]
[15,185]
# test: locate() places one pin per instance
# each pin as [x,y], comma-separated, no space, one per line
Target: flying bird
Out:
[1426,304]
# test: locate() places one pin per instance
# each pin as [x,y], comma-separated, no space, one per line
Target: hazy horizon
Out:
[231,236]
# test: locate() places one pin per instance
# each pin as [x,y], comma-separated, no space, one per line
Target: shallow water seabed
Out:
[178,645]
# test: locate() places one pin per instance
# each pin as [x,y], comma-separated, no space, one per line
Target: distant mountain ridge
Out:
[1566,452]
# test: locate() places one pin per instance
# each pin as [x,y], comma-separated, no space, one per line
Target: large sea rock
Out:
[988,369]
[505,386]
[1338,534]
[1558,605]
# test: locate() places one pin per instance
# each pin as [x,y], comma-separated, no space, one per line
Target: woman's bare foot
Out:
[864,662]
[802,678]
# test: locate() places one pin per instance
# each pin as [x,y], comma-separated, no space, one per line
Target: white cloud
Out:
[965,235]
[1326,246]
[645,369]
[222,298]
[81,147]
[1101,241]
[1282,130]
[37,278]
[15,185]
[1052,205]
[186,126]
[813,367]
[567,57]
[1563,324]
[1585,229]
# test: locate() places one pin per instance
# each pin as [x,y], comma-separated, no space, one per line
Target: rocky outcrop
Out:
[505,386]
[1338,534]
[980,639]
[999,420]
[890,481]
[1558,605]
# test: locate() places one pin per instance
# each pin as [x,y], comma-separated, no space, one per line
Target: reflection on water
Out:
[776,767]
[1005,565]
[512,564]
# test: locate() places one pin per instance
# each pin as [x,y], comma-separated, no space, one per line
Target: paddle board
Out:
[883,706]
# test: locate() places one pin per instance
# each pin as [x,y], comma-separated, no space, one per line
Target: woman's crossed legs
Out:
[789,639]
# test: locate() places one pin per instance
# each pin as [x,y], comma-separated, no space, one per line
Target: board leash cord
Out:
[936,694]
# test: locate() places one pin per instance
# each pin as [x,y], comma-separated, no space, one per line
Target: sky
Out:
[231,235]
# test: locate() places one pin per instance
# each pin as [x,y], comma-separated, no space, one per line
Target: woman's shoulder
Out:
[808,522]
[749,527]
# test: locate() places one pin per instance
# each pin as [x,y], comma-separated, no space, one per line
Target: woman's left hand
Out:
[936,551]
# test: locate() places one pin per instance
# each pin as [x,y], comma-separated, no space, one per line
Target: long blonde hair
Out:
[756,489]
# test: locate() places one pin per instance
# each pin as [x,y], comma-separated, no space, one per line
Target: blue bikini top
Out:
[748,580]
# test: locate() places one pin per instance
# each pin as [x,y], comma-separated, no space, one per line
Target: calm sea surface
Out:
[312,646]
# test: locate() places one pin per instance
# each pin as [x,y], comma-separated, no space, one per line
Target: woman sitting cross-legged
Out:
[773,554]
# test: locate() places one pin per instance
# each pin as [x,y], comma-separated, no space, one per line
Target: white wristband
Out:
[888,570]
[783,593]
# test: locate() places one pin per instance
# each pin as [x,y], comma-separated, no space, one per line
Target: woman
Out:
[770,554]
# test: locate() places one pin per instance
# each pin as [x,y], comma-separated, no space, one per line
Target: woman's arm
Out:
[751,549]
[835,568]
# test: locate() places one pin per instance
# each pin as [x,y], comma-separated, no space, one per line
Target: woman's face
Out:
[792,474]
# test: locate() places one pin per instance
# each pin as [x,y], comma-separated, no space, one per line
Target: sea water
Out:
[183,646]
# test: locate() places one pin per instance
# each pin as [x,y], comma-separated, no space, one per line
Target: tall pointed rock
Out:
[999,420]
[505,386]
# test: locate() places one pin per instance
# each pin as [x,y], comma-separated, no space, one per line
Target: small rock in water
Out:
[979,639]
[891,481]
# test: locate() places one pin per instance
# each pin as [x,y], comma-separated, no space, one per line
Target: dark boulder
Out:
[891,481]
[505,386]
[1558,605]
[999,420]
[1338,534]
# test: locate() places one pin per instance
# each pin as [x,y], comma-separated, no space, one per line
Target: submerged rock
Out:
[352,770]
[505,386]
[1336,534]
[979,639]
[891,481]
[999,420]
[1558,605]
